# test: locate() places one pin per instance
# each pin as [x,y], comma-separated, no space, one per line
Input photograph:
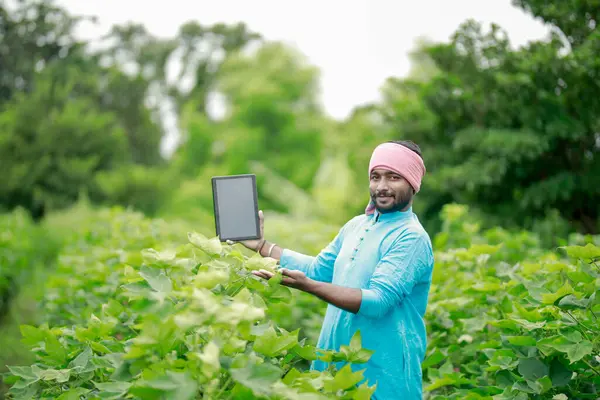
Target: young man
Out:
[375,275]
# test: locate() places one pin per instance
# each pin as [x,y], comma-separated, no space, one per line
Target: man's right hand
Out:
[255,243]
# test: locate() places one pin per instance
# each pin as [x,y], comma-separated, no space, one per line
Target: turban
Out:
[399,159]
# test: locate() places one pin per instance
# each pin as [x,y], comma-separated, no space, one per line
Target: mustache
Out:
[382,194]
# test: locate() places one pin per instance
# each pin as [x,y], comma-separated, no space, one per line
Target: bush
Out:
[510,320]
[179,319]
[135,311]
[23,247]
[139,187]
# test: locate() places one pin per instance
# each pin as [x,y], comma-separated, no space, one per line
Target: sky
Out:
[357,44]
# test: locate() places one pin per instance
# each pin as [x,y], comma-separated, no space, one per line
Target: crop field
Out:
[143,309]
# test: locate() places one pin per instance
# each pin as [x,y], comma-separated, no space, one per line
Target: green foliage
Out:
[33,34]
[54,140]
[511,132]
[145,189]
[508,320]
[183,319]
[27,252]
[576,20]
[273,113]
[23,247]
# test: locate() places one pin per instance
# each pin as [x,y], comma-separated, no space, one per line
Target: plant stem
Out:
[223,388]
[593,369]
[580,324]
[593,313]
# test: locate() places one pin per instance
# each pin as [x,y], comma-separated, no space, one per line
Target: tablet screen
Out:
[236,209]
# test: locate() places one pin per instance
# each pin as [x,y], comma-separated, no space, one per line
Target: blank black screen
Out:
[236,208]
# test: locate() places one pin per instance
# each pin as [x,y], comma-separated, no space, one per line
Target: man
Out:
[375,275]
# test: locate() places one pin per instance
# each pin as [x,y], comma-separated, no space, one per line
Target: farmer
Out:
[375,275]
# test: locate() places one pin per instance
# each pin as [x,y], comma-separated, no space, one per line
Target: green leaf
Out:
[344,379]
[552,298]
[533,368]
[32,335]
[559,374]
[271,345]
[278,293]
[354,353]
[586,253]
[433,359]
[210,279]
[152,256]
[73,394]
[580,277]
[364,392]
[306,352]
[24,372]
[82,360]
[59,376]
[212,247]
[57,354]
[174,385]
[577,351]
[257,262]
[157,279]
[571,302]
[113,387]
[210,359]
[258,378]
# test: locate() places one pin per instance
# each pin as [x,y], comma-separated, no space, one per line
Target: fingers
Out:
[285,281]
[261,219]
[288,281]
[263,274]
[291,273]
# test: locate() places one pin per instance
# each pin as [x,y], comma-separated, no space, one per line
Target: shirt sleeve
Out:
[319,268]
[399,270]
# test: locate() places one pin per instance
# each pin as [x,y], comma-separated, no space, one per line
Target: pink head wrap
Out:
[399,159]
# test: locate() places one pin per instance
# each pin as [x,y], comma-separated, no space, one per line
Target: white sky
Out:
[356,44]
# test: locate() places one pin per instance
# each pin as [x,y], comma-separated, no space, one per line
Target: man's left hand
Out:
[291,278]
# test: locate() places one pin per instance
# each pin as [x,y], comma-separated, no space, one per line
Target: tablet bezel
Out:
[252,178]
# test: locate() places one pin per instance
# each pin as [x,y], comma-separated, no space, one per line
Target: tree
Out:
[272,112]
[512,132]
[32,35]
[54,140]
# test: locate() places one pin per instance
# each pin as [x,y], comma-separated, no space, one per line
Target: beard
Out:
[391,201]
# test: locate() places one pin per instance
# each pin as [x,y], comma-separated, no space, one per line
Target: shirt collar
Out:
[392,216]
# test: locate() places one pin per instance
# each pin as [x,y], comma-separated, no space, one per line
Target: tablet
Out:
[235,202]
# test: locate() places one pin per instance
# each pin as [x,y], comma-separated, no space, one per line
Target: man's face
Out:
[389,191]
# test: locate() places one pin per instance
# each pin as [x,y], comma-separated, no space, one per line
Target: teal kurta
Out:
[390,258]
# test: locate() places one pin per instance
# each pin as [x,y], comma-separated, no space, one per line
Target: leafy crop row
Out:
[134,311]
[510,320]
[176,320]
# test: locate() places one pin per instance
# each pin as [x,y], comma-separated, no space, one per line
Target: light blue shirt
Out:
[390,258]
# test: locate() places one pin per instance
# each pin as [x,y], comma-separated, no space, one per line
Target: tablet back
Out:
[236,207]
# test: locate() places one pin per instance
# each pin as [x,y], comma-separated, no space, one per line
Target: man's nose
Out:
[382,185]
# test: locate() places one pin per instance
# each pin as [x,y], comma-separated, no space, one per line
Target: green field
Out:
[146,309]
